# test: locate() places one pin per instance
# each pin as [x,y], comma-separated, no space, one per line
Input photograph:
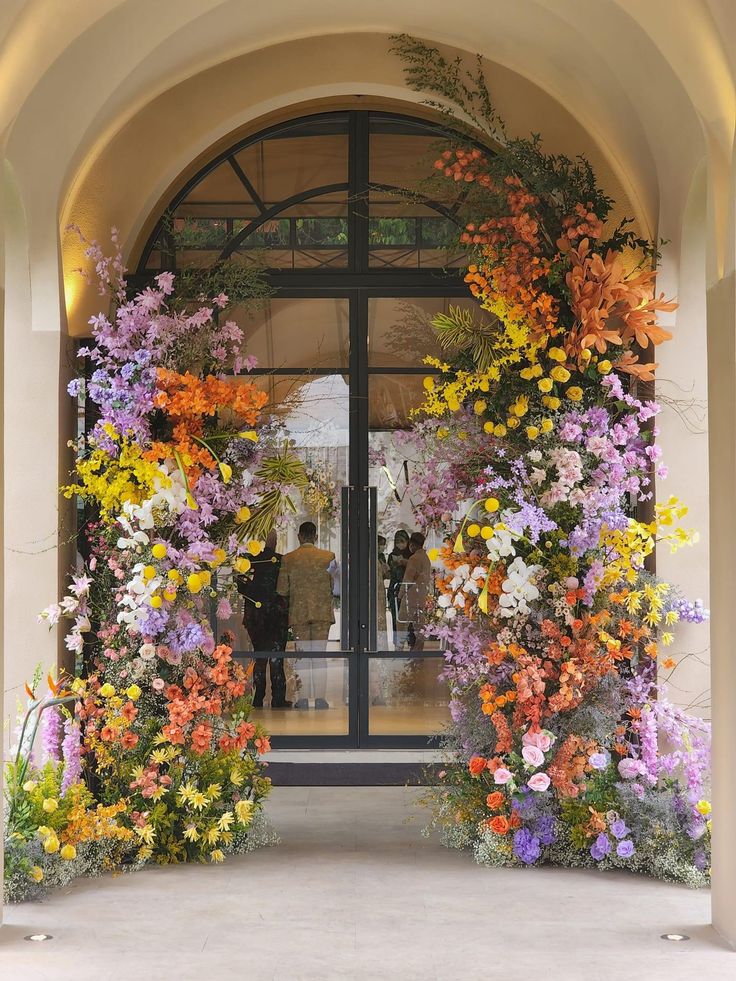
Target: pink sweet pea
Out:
[539,782]
[502,775]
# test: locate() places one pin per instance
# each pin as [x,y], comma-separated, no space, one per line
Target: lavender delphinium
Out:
[71,750]
[51,729]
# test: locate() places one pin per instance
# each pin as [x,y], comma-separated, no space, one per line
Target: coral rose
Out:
[499,824]
[495,801]
[477,765]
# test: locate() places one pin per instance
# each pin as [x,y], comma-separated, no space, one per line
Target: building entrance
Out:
[359,266]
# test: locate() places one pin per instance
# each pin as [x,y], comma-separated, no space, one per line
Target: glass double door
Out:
[343,370]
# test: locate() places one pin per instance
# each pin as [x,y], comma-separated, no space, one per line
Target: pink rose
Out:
[533,755]
[539,782]
[502,775]
[629,769]
[539,739]
[158,684]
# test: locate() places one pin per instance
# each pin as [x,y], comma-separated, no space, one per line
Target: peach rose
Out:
[499,824]
[495,801]
[477,765]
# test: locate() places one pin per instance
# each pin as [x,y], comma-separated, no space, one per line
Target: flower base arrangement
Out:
[537,437]
[149,754]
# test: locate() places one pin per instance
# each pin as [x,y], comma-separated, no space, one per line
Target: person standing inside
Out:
[305,581]
[418,588]
[265,617]
[397,559]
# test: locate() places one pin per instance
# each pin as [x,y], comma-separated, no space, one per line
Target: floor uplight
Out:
[677,937]
[38,937]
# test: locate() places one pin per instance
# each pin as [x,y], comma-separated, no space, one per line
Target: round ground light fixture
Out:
[38,937]
[675,937]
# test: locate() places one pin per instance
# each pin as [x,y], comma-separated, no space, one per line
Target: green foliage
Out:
[458,330]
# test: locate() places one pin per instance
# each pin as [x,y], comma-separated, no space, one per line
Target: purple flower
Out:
[600,847]
[619,829]
[526,846]
[51,730]
[625,849]
[599,761]
[71,749]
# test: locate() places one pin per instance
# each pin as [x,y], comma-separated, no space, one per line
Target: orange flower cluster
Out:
[84,824]
[188,400]
[570,764]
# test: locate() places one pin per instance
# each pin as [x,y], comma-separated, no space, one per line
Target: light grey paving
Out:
[355,892]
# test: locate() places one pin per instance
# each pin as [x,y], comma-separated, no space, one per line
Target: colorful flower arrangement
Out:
[149,753]
[563,748]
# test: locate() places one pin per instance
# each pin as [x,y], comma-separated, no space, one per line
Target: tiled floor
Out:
[355,892]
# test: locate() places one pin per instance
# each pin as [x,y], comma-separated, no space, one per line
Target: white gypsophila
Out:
[518,588]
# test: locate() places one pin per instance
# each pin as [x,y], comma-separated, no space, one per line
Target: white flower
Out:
[69,605]
[82,624]
[518,588]
[501,544]
[51,615]
[147,652]
[74,642]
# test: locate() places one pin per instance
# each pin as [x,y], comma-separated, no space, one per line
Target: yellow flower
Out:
[545,385]
[250,434]
[206,576]
[546,425]
[51,844]
[133,693]
[486,532]
[226,821]
[604,367]
[107,690]
[703,807]
[174,575]
[586,354]
[68,852]
[226,472]
[170,594]
[242,564]
[217,855]
[156,602]
[218,557]
[473,530]
[242,515]
[520,407]
[512,422]
[499,430]
[552,402]
[254,547]
[556,354]
[149,572]
[36,873]
[491,505]
[488,427]
[560,374]
[50,804]
[428,383]
[574,393]
[526,373]
[194,583]
[30,785]
[480,407]
[532,432]
[191,833]
[159,551]
[42,831]
[244,811]
[433,554]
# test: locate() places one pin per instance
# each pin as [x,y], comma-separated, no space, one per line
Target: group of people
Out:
[296,592]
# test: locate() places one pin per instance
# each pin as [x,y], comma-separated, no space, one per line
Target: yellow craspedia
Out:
[428,383]
[133,693]
[36,873]
[484,385]
[159,551]
[107,690]
[491,504]
[703,807]
[68,852]
[545,385]
[255,547]
[604,367]
[556,354]
[452,403]
[206,576]
[51,844]
[174,575]
[499,430]
[480,407]
[170,594]
[242,515]
[242,565]
[488,427]
[473,530]
[433,554]
[546,425]
[532,432]
[50,804]
[156,602]
[486,532]
[574,393]
[194,582]
[560,374]
[512,422]
[149,572]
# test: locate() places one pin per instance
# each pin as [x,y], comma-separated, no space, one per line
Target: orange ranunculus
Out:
[499,824]
[495,801]
[477,765]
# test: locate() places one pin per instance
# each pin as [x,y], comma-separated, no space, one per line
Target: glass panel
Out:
[391,399]
[406,696]
[297,333]
[400,332]
[304,679]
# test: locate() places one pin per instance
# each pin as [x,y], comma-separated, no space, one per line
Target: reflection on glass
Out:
[400,331]
[297,333]
[332,720]
[407,697]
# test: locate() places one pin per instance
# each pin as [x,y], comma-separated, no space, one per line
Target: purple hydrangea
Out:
[527,846]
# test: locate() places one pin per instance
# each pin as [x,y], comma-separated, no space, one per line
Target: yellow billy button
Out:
[574,393]
[242,515]
[194,583]
[174,575]
[484,385]
[428,383]
[149,572]
[474,530]
[433,554]
[159,551]
[242,565]
[170,594]
[491,505]
[486,532]
[453,404]
[156,602]
[255,547]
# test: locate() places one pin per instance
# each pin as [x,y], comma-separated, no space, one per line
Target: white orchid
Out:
[518,588]
[501,543]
